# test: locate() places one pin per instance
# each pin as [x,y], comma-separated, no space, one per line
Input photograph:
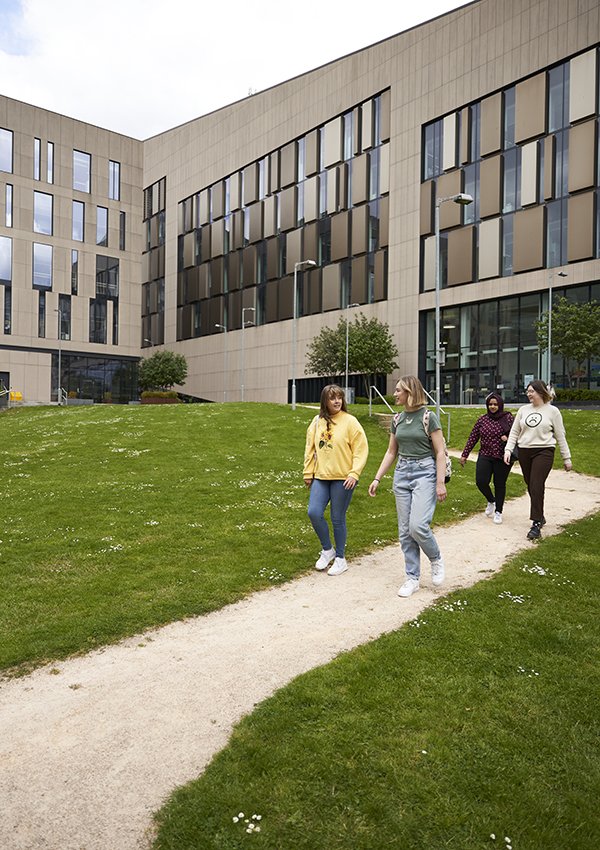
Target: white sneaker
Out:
[491,507]
[498,518]
[340,565]
[410,586]
[438,571]
[325,558]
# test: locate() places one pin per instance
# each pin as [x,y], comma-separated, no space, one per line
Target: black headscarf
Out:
[499,414]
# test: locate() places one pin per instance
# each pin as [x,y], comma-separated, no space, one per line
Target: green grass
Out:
[479,718]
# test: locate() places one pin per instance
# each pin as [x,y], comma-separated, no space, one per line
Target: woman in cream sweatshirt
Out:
[335,455]
[537,428]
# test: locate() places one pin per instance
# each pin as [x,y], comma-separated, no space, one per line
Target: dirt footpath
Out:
[88,753]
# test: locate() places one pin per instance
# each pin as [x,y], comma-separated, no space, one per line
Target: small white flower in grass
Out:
[257,829]
[235,820]
[507,839]
[424,752]
[256,817]
[492,836]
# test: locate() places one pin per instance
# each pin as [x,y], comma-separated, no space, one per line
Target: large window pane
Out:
[50,162]
[42,266]
[42,213]
[64,316]
[82,167]
[7,310]
[6,150]
[5,260]
[101,226]
[114,180]
[37,159]
[78,221]
[74,272]
[8,209]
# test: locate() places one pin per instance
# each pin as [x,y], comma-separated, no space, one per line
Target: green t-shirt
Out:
[410,433]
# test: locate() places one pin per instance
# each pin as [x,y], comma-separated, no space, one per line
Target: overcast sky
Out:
[142,66]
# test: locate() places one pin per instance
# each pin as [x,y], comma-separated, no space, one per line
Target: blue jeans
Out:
[416,498]
[321,494]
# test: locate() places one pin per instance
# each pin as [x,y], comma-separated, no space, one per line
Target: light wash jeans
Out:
[321,493]
[415,492]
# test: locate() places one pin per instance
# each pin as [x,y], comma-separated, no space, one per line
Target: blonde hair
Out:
[413,387]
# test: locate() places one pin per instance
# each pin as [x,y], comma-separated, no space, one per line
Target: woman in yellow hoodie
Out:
[336,453]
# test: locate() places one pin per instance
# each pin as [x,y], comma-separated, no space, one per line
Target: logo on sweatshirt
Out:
[533,419]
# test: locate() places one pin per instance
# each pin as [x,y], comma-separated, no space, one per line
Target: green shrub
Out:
[577,395]
[159,394]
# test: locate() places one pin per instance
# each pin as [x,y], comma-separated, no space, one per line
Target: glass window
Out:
[122,230]
[7,310]
[556,230]
[374,174]
[42,213]
[488,334]
[301,159]
[8,208]
[42,266]
[78,221]
[64,317]
[42,314]
[101,226]
[475,131]
[37,159]
[6,150]
[115,327]
[98,320]
[50,162]
[82,169]
[558,98]
[74,272]
[509,118]
[561,164]
[432,146]
[5,260]
[107,276]
[511,181]
[471,211]
[348,135]
[114,180]
[507,245]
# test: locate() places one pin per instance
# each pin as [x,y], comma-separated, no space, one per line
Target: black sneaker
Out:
[543,522]
[535,531]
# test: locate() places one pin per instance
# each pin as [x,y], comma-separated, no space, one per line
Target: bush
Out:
[577,395]
[159,394]
[361,399]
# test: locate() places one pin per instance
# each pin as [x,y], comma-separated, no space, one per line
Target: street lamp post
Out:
[224,329]
[462,199]
[549,359]
[347,341]
[59,383]
[244,323]
[308,264]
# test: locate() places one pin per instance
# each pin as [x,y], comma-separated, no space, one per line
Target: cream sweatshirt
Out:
[335,452]
[537,428]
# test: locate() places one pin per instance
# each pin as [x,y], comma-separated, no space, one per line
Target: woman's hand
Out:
[507,458]
[350,483]
[440,491]
[568,465]
[308,482]
[373,487]
[462,461]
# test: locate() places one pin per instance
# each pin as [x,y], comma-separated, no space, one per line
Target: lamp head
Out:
[463,199]
[562,274]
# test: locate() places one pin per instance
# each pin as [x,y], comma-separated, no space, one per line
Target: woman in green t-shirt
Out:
[417,443]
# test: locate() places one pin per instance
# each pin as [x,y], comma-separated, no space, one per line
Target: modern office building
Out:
[329,186]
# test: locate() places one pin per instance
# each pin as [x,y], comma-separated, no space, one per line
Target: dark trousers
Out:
[486,468]
[536,465]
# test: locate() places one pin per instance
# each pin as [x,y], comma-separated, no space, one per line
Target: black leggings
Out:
[485,469]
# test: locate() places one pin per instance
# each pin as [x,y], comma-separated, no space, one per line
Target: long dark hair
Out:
[329,392]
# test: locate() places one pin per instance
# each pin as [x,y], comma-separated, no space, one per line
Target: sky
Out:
[140,67]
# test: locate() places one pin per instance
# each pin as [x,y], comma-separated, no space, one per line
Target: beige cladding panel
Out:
[384,169]
[311,197]
[256,221]
[333,142]
[311,153]
[311,242]
[490,186]
[250,183]
[548,168]
[359,280]
[463,153]
[384,221]
[285,308]
[448,185]
[582,86]
[385,115]
[235,191]
[366,134]
[582,159]
[217,235]
[530,108]
[529,174]
[274,172]
[287,206]
[379,283]
[429,264]
[528,240]
[581,226]
[460,256]
[217,197]
[331,287]
[332,190]
[360,225]
[270,215]
[491,124]
[289,164]
[360,175]
[294,249]
[449,142]
[489,248]
[340,224]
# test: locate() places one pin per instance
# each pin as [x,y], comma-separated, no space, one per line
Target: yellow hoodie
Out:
[335,452]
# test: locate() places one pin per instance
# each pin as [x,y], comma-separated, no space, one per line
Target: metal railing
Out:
[373,390]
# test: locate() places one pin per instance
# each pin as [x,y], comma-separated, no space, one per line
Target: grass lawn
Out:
[478,719]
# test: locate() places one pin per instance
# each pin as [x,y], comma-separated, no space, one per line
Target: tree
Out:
[575,333]
[371,350]
[162,370]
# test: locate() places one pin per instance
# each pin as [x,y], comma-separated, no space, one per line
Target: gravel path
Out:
[89,752]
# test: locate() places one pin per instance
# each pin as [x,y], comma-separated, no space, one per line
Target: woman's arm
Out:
[512,437]
[359,447]
[388,459]
[471,442]
[561,438]
[437,441]
[309,452]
